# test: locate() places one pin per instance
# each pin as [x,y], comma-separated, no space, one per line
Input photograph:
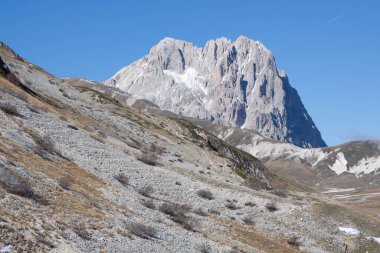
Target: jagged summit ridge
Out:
[233,83]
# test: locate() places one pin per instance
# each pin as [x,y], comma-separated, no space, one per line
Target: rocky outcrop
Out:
[230,83]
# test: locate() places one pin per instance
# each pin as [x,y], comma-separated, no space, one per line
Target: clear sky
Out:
[329,49]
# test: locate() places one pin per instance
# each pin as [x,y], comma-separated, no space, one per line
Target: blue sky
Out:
[329,49]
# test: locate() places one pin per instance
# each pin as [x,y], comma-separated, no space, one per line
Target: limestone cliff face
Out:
[230,83]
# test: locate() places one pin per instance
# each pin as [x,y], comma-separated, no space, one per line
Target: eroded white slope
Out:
[359,158]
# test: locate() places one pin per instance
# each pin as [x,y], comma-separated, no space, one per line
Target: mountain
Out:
[235,84]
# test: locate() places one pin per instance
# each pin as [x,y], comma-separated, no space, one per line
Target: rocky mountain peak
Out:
[233,83]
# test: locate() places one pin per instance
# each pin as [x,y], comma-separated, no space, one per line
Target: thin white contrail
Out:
[334,19]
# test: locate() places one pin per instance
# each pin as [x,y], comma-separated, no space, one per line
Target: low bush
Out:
[44,145]
[65,183]
[149,204]
[82,233]
[177,213]
[204,248]
[34,108]
[146,191]
[132,144]
[122,178]
[271,207]
[214,211]
[250,203]
[150,156]
[173,209]
[280,193]
[294,241]
[231,206]
[184,222]
[255,185]
[72,127]
[15,184]
[9,109]
[47,242]
[200,212]
[206,194]
[142,231]
[248,220]
[14,94]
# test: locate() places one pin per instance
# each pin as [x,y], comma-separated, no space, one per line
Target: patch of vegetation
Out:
[246,165]
[98,96]
[271,207]
[234,250]
[34,108]
[178,214]
[192,129]
[14,94]
[150,156]
[214,211]
[146,191]
[133,144]
[142,231]
[9,109]
[250,203]
[294,241]
[280,193]
[206,194]
[65,183]
[248,220]
[44,240]
[15,184]
[122,178]
[255,184]
[72,127]
[44,145]
[232,206]
[82,233]
[149,204]
[204,248]
[200,212]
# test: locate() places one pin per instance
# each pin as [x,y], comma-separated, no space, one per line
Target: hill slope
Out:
[81,172]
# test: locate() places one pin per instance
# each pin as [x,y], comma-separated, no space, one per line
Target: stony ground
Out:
[80,172]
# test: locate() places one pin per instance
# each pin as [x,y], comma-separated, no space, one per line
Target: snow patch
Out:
[366,166]
[348,230]
[190,77]
[333,190]
[364,195]
[340,164]
[377,239]
[6,249]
